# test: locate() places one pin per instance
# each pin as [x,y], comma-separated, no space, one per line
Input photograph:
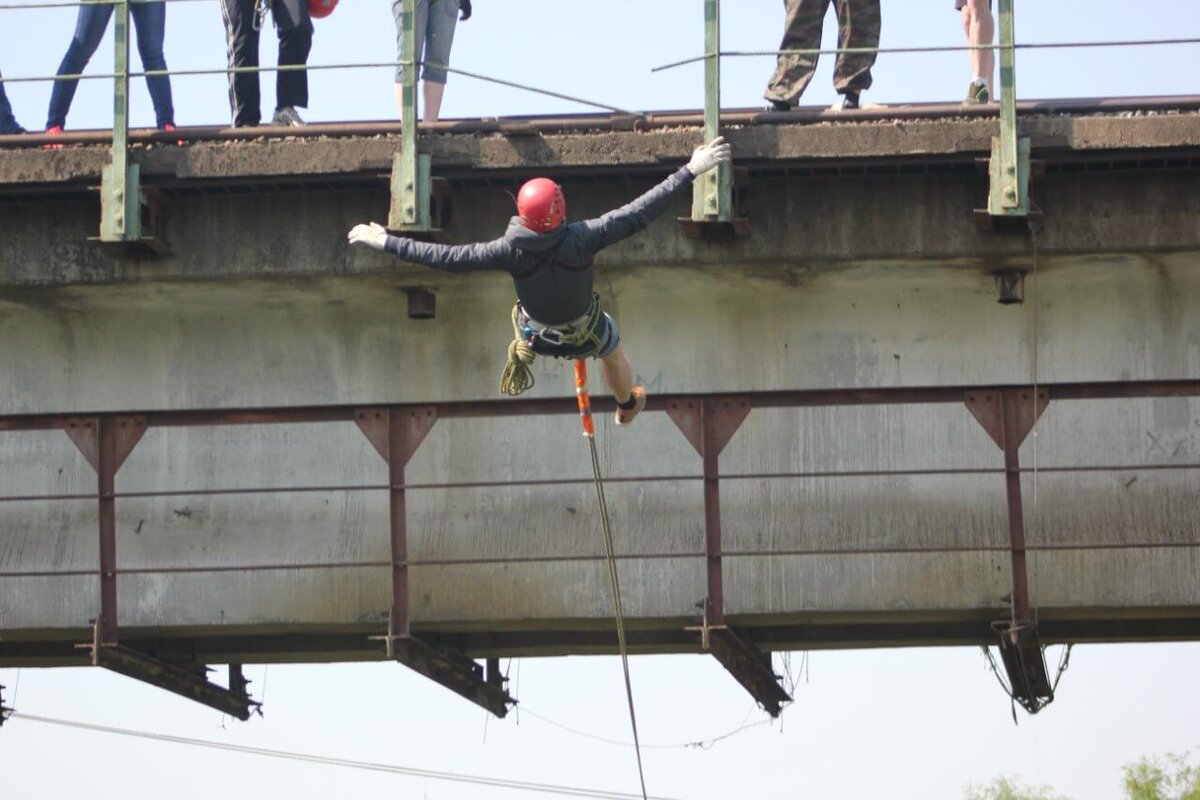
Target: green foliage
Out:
[1009,789]
[1171,777]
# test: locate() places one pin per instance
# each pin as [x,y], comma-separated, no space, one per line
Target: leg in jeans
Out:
[89,30]
[242,42]
[149,20]
[858,26]
[295,30]
[802,31]
[439,38]
[8,123]
[421,23]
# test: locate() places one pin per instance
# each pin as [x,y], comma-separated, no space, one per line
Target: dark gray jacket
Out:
[552,272]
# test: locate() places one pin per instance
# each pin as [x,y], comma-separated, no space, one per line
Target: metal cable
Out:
[458,777]
[816,51]
[589,432]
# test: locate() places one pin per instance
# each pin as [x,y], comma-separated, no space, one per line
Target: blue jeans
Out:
[149,20]
[7,123]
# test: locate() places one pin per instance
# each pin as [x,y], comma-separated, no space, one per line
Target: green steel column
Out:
[410,171]
[712,197]
[120,196]
[1010,156]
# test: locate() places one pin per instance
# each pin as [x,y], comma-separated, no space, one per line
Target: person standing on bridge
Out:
[149,21]
[293,26]
[8,123]
[435,22]
[858,27]
[557,313]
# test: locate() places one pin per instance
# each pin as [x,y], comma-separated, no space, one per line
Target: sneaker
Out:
[12,130]
[779,105]
[169,127]
[54,130]
[977,93]
[625,416]
[287,118]
[849,102]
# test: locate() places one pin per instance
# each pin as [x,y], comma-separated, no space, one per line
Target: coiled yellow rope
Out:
[517,377]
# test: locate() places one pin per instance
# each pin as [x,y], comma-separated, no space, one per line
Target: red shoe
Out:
[55,130]
[625,416]
[170,128]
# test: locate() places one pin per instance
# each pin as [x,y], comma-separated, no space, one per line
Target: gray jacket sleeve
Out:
[495,254]
[627,220]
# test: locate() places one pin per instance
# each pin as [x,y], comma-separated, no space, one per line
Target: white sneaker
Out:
[287,117]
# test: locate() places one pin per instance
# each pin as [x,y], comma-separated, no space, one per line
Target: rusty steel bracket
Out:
[708,425]
[183,677]
[396,433]
[461,675]
[1008,415]
[106,442]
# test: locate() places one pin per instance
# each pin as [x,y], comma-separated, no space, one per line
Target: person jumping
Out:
[557,313]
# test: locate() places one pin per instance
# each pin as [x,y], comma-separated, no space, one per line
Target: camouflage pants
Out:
[858,26]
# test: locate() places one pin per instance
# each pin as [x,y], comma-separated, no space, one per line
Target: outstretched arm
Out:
[633,217]
[448,258]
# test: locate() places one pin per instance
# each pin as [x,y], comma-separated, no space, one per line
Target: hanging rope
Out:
[589,432]
[517,377]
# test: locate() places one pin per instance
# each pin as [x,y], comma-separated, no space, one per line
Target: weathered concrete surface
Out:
[1051,137]
[850,281]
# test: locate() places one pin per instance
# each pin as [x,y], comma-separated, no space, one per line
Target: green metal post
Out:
[410,209]
[712,197]
[1010,155]
[120,201]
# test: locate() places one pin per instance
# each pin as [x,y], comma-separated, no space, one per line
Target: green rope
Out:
[517,377]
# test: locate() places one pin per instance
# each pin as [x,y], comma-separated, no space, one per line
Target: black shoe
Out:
[779,105]
[11,130]
[850,101]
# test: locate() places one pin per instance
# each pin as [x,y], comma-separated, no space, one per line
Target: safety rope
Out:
[517,377]
[589,433]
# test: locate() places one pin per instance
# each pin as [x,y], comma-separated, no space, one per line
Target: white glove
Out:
[372,235]
[707,156]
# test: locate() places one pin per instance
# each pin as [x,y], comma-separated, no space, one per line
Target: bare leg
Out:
[433,99]
[618,374]
[980,28]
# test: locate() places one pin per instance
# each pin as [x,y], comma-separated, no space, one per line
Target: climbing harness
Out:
[589,432]
[574,339]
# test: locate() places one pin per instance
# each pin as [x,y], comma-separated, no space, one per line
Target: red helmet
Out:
[541,206]
[321,8]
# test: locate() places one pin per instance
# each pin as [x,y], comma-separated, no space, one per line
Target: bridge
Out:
[880,415]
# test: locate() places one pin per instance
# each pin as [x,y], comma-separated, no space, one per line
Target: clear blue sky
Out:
[896,723]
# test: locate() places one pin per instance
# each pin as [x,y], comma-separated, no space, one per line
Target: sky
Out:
[905,724]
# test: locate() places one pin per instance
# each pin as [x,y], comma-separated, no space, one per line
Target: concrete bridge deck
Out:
[866,499]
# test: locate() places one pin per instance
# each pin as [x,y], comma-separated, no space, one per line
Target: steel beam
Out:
[1008,168]
[396,434]
[411,204]
[182,677]
[105,442]
[709,425]
[713,214]
[1008,416]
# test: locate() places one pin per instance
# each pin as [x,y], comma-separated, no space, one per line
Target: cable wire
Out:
[457,777]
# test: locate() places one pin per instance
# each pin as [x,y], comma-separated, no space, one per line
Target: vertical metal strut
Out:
[1009,165]
[411,207]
